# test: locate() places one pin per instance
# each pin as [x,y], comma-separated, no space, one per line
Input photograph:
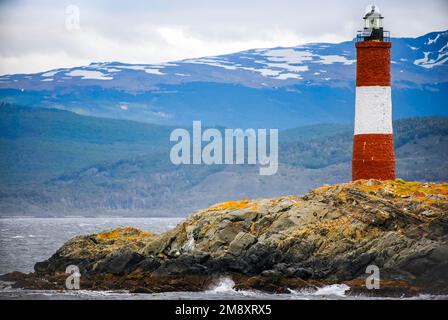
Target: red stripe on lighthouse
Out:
[373,148]
[373,63]
[373,157]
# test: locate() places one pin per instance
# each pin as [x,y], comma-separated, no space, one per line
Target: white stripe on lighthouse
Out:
[373,113]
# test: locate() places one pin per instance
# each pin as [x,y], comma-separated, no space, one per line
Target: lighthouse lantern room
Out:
[373,25]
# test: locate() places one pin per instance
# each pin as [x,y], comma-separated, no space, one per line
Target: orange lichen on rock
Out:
[322,189]
[233,205]
[126,233]
[421,191]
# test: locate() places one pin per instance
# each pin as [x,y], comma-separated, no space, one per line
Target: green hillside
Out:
[54,162]
[40,144]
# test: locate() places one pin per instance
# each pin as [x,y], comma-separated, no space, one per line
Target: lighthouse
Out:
[373,147]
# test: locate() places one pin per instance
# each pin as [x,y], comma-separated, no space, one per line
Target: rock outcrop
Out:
[329,235]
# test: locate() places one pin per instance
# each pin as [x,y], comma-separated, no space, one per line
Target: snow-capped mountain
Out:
[276,87]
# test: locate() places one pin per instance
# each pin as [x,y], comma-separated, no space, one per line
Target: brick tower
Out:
[373,147]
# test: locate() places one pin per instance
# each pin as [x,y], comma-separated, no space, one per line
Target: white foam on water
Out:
[225,285]
[334,289]
[224,290]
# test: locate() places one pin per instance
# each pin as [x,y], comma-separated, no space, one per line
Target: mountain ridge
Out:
[261,88]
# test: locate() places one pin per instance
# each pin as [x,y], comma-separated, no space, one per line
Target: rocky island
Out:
[327,236]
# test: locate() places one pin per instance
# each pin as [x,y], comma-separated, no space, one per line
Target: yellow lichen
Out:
[126,233]
[233,205]
[252,228]
[322,189]
[405,189]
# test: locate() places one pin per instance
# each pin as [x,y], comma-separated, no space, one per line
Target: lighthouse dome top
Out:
[373,11]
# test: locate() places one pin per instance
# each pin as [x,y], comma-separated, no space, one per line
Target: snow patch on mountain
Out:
[428,63]
[285,76]
[145,68]
[431,41]
[335,59]
[118,67]
[111,70]
[289,56]
[212,62]
[154,71]
[88,74]
[265,72]
[277,67]
[50,73]
[288,67]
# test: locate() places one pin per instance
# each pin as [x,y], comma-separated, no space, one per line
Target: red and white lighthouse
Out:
[373,148]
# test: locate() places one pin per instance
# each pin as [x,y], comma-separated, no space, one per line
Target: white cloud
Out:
[34,37]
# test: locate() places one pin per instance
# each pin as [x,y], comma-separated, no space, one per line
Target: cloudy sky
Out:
[38,35]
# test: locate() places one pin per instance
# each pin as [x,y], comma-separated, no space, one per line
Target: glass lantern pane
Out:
[379,23]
